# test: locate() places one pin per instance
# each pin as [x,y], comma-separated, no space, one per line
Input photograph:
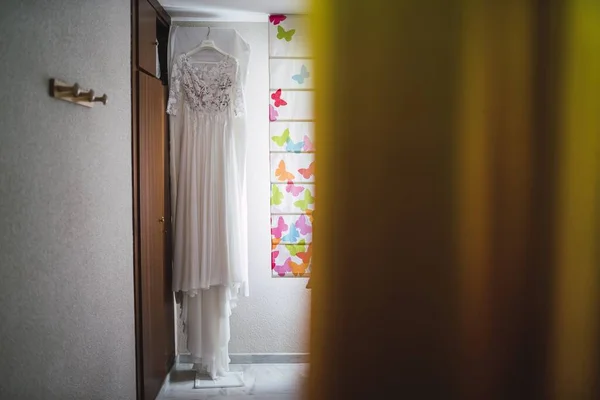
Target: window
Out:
[291,146]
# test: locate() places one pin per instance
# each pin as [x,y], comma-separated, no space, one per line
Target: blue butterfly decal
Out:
[302,75]
[292,236]
[294,147]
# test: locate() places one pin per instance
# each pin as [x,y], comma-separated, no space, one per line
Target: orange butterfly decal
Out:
[298,269]
[309,214]
[282,174]
[308,172]
[274,243]
[305,256]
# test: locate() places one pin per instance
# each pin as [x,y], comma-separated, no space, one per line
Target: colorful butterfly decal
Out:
[308,172]
[292,236]
[274,255]
[283,269]
[278,101]
[298,269]
[305,256]
[275,243]
[282,139]
[293,189]
[308,199]
[296,248]
[276,196]
[302,75]
[273,114]
[308,144]
[276,19]
[280,228]
[309,214]
[282,174]
[283,34]
[303,226]
[293,147]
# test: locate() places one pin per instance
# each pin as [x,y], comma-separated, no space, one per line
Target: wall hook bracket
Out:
[75,94]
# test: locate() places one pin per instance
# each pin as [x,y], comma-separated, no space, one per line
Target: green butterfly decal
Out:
[308,199]
[283,34]
[276,196]
[296,248]
[281,140]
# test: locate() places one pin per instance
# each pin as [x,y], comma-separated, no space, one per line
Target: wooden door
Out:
[155,286]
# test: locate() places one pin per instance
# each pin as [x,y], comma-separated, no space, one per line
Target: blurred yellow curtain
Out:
[459,194]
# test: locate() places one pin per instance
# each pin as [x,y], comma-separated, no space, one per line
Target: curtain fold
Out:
[473,127]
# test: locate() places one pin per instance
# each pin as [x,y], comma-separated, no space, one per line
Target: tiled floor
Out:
[262,382]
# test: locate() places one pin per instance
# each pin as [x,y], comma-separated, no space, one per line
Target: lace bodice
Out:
[206,87]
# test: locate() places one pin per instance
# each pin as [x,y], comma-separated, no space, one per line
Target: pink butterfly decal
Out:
[308,145]
[279,229]
[278,100]
[276,19]
[308,172]
[273,114]
[282,270]
[302,226]
[274,255]
[293,189]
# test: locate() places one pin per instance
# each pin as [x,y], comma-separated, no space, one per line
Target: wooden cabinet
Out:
[147,42]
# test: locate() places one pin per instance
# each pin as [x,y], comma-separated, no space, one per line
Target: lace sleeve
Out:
[239,105]
[174,89]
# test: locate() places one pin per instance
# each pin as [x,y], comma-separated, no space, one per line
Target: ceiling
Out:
[231,10]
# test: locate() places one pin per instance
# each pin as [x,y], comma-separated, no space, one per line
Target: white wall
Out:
[275,318]
[66,269]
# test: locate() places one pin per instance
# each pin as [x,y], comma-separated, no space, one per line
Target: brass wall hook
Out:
[103,99]
[75,94]
[75,90]
[91,96]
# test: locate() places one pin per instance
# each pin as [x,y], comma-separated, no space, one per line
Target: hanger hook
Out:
[208,34]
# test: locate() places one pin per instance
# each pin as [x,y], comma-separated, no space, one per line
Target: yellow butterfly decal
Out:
[282,34]
[276,196]
[308,199]
[296,248]
[281,140]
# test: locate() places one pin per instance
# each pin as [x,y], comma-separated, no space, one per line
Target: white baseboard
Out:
[165,384]
[257,358]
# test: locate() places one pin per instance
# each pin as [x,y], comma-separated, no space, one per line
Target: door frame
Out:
[135,177]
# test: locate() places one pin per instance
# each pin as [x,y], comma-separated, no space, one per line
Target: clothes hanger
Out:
[206,44]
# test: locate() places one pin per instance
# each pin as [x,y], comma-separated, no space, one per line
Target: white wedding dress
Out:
[210,266]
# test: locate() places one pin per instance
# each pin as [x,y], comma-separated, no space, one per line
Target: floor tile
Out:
[262,382]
